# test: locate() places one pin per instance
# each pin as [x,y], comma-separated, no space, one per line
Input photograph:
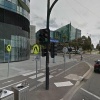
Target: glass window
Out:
[9,0]
[14,1]
[1,2]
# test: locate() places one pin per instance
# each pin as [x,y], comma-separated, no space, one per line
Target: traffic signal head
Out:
[44,52]
[44,36]
[69,49]
[53,50]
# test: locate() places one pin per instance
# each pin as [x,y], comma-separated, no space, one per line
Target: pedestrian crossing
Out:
[38,75]
[29,73]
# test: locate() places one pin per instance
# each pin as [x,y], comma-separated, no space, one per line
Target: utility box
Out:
[6,94]
[21,91]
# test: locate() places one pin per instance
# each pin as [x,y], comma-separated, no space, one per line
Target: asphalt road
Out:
[91,89]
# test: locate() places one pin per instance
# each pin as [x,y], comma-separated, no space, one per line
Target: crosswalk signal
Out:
[44,52]
[69,49]
[44,36]
[53,50]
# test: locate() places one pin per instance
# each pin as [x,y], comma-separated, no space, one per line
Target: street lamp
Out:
[47,45]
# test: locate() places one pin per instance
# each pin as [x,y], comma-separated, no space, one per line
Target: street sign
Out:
[36,49]
[65,50]
[37,57]
[54,40]
[8,47]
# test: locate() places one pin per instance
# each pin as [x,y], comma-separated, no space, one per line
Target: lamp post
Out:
[47,45]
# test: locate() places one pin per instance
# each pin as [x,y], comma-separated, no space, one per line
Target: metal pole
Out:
[47,47]
[64,62]
[40,57]
[36,72]
[81,57]
[8,63]
[54,60]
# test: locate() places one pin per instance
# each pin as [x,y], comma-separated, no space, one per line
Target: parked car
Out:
[97,66]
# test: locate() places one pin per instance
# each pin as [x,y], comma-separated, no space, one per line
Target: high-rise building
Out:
[14,29]
[78,33]
[32,34]
[67,33]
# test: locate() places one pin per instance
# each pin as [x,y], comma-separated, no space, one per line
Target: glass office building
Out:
[14,29]
[67,33]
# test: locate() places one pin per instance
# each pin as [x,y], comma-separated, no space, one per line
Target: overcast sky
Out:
[83,14]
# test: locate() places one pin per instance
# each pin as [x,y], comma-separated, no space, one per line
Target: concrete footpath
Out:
[61,84]
[18,68]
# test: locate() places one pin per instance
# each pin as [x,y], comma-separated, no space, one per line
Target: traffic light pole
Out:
[47,45]
[47,48]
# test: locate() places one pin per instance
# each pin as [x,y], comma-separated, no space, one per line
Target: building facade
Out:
[14,29]
[32,35]
[67,33]
[78,33]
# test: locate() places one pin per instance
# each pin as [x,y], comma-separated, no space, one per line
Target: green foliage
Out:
[83,42]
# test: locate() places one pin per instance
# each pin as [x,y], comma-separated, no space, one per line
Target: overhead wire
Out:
[87,9]
[78,14]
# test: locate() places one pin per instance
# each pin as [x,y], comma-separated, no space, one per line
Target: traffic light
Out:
[69,49]
[53,50]
[44,36]
[44,52]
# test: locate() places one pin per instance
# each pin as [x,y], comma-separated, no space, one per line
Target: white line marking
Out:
[53,73]
[59,69]
[53,70]
[66,70]
[13,84]
[7,82]
[26,74]
[62,84]
[43,79]
[90,93]
[38,75]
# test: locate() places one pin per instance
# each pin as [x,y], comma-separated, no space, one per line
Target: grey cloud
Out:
[41,22]
[53,23]
[98,25]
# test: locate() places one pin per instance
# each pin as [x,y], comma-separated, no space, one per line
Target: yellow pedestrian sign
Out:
[36,49]
[8,47]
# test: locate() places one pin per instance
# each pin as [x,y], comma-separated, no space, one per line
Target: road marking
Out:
[73,77]
[53,70]
[38,75]
[26,74]
[59,69]
[62,84]
[66,70]
[90,93]
[13,84]
[43,79]
[7,82]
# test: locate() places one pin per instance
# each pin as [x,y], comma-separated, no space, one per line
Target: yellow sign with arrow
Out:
[36,49]
[8,47]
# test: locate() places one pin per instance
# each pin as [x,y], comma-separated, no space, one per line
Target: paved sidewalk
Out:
[18,68]
[61,84]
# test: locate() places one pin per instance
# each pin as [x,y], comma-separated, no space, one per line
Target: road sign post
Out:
[64,51]
[36,51]
[40,57]
[8,48]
